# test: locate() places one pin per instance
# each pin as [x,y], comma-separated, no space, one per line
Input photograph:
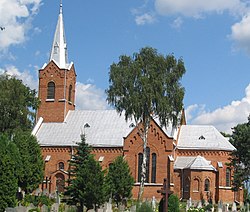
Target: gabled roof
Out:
[202,137]
[193,163]
[103,128]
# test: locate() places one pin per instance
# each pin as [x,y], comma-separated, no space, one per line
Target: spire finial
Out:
[60,6]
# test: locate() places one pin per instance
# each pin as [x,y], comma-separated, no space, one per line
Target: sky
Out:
[212,37]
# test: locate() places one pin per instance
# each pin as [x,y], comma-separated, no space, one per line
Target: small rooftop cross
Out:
[165,192]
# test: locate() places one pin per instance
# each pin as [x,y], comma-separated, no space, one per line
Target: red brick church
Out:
[192,157]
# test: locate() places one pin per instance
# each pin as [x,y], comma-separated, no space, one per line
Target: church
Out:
[192,157]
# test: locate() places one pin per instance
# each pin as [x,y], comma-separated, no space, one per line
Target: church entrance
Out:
[60,182]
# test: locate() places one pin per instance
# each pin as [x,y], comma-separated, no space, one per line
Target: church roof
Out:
[59,52]
[202,137]
[103,128]
[193,163]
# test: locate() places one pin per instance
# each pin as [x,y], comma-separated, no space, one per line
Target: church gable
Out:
[159,147]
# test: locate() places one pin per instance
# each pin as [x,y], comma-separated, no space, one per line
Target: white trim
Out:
[50,100]
[101,158]
[225,187]
[37,126]
[62,100]
[149,184]
[44,65]
[47,158]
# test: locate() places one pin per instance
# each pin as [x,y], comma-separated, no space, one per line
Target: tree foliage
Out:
[173,203]
[119,181]
[17,104]
[147,85]
[241,156]
[9,158]
[30,163]
[86,184]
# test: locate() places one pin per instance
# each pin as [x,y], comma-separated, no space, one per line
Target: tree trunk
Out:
[144,160]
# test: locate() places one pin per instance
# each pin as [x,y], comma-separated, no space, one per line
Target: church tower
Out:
[57,80]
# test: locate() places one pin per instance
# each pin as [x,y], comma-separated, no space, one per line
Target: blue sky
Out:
[212,37]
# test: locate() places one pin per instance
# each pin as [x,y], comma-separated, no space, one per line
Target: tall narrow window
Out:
[153,174]
[207,185]
[186,184]
[51,90]
[196,185]
[147,164]
[228,177]
[70,93]
[140,157]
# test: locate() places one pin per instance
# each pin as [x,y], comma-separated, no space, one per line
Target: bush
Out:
[37,200]
[144,207]
[173,203]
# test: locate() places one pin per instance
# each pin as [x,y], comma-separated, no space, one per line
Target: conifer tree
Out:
[31,161]
[119,181]
[9,171]
[86,183]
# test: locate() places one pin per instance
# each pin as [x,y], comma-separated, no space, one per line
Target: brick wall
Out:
[159,144]
[55,110]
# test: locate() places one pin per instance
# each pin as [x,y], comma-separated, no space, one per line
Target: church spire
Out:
[59,48]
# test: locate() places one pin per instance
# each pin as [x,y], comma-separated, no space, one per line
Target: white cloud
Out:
[177,23]
[16,17]
[241,33]
[196,8]
[222,118]
[25,76]
[88,97]
[144,19]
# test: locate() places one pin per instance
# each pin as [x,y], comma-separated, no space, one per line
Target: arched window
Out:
[228,177]
[207,185]
[70,93]
[61,166]
[140,157]
[153,174]
[147,164]
[51,90]
[186,184]
[196,185]
[60,182]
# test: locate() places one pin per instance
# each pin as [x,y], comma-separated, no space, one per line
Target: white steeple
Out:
[59,52]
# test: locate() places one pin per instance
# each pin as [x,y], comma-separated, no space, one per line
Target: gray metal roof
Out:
[105,128]
[202,137]
[193,163]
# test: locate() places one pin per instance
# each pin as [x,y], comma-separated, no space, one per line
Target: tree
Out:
[9,158]
[119,180]
[31,162]
[173,203]
[86,183]
[144,86]
[240,157]
[17,105]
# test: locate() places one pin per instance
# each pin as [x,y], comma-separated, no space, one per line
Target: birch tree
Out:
[144,86]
